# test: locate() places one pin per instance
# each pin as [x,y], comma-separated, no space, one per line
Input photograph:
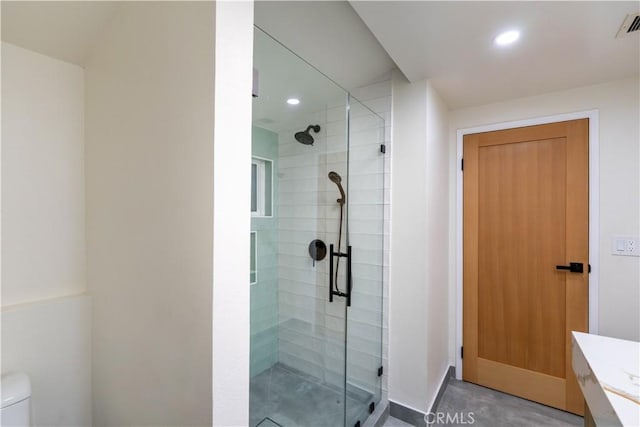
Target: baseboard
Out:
[415,417]
[406,414]
[379,416]
[451,373]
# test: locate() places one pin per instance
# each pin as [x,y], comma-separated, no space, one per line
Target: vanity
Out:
[608,371]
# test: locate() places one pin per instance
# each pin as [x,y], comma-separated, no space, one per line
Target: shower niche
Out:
[316,312]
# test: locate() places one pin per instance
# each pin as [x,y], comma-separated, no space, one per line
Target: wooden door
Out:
[526,198]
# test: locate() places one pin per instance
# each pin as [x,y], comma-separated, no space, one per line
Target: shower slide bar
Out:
[333,288]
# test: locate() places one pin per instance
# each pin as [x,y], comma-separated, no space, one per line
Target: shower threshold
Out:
[284,396]
[268,422]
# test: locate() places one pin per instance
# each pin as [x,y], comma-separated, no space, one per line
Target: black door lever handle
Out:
[573,267]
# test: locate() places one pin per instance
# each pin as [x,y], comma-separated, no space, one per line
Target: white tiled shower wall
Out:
[311,330]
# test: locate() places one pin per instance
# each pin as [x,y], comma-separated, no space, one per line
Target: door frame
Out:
[594,214]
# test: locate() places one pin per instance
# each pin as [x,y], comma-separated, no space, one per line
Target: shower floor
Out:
[287,397]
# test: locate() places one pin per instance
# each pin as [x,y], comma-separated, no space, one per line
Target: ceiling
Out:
[563,44]
[329,35]
[61,29]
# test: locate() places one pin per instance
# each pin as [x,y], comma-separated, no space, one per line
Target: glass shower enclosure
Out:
[317,241]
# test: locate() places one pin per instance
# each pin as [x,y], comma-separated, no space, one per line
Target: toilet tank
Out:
[16,400]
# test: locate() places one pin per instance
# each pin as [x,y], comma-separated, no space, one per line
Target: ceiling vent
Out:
[630,25]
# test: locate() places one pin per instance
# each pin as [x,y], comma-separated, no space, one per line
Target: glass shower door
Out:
[317,247]
[366,236]
[297,335]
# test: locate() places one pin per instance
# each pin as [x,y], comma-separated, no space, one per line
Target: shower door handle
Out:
[331,272]
[349,276]
[332,289]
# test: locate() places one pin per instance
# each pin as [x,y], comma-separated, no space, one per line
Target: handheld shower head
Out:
[335,177]
[304,137]
[337,180]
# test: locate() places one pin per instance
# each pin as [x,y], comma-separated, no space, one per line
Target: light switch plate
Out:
[625,245]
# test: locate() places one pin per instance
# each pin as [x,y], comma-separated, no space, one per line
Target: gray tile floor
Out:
[394,422]
[491,408]
[286,397]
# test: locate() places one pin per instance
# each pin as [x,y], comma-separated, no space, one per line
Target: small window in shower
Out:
[254,259]
[261,187]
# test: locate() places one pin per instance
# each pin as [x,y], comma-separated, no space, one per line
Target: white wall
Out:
[407,293]
[619,109]
[437,255]
[418,285]
[149,161]
[45,331]
[51,342]
[43,241]
[232,192]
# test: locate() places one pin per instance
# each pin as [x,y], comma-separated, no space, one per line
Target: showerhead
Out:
[304,137]
[337,180]
[335,177]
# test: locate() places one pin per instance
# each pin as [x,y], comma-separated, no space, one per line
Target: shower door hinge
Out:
[372,407]
[380,371]
[461,164]
[383,148]
[461,352]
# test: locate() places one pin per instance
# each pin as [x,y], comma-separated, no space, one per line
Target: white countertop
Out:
[608,371]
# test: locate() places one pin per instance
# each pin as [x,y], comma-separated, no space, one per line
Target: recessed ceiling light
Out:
[293,101]
[507,38]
